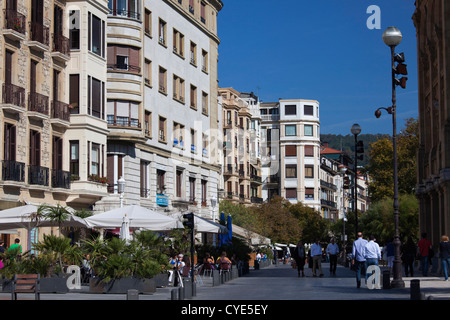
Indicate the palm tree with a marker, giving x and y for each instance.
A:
(57, 214)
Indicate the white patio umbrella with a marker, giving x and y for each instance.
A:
(125, 229)
(21, 217)
(202, 224)
(139, 217)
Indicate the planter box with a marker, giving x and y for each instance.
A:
(161, 280)
(121, 286)
(54, 284)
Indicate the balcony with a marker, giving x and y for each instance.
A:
(124, 67)
(228, 169)
(13, 171)
(60, 114)
(256, 200)
(40, 37)
(38, 175)
(255, 178)
(328, 185)
(328, 203)
(14, 25)
(60, 179)
(61, 48)
(126, 14)
(37, 106)
(13, 98)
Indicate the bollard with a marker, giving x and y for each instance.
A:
(187, 288)
(180, 293)
(132, 294)
(386, 279)
(174, 294)
(415, 289)
(216, 278)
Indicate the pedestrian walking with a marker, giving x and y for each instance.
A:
(358, 260)
(299, 256)
(408, 251)
(444, 254)
(423, 250)
(372, 253)
(390, 254)
(332, 251)
(316, 254)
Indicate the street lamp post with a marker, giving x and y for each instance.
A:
(355, 130)
(392, 37)
(342, 170)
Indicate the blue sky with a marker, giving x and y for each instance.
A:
(323, 50)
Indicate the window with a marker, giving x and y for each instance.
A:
(290, 110)
(309, 151)
(291, 193)
(205, 143)
(309, 171)
(95, 158)
(162, 80)
(193, 96)
(145, 179)
(193, 53)
(291, 151)
(75, 158)
(203, 12)
(191, 189)
(178, 88)
(290, 130)
(204, 103)
(123, 113)
(204, 61)
(308, 110)
(123, 58)
(162, 32)
(204, 183)
(96, 35)
(191, 6)
(148, 22)
(74, 93)
(148, 72)
(35, 148)
(74, 29)
(160, 184)
(291, 171)
(148, 123)
(115, 170)
(179, 183)
(178, 43)
(193, 141)
(178, 133)
(162, 129)
(96, 97)
(309, 193)
(308, 130)
(124, 8)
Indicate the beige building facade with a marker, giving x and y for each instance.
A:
(433, 161)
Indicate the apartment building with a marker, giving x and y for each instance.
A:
(162, 111)
(241, 174)
(37, 108)
(291, 150)
(433, 161)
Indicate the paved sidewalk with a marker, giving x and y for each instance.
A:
(278, 282)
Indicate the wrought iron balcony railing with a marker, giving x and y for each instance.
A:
(13, 94)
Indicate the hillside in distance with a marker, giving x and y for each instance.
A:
(347, 143)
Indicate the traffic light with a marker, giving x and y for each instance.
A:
(188, 220)
(360, 150)
(347, 182)
(400, 68)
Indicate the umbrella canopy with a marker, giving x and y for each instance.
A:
(21, 217)
(139, 217)
(230, 227)
(201, 224)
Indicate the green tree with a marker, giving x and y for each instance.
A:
(380, 166)
(311, 223)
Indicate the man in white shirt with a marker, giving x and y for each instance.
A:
(316, 254)
(372, 253)
(332, 251)
(358, 257)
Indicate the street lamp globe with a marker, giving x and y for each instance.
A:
(392, 37)
(356, 129)
(121, 185)
(343, 169)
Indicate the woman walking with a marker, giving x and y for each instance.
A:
(444, 254)
(299, 256)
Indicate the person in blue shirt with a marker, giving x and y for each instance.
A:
(359, 260)
(372, 253)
